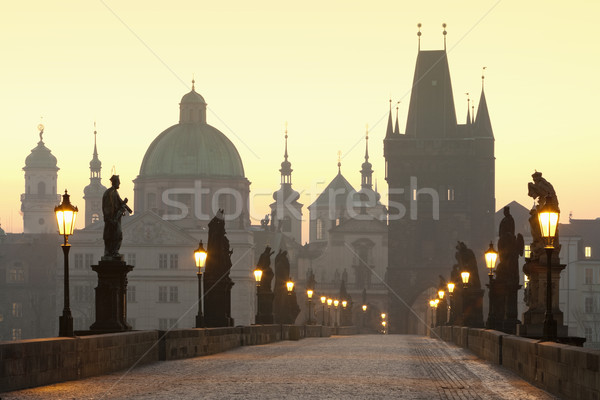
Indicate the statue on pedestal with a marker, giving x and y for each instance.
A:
(113, 208)
(542, 191)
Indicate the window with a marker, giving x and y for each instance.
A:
(319, 229)
(131, 259)
(131, 294)
(163, 324)
(162, 261)
(78, 261)
(173, 261)
(17, 310)
(527, 252)
(450, 194)
(41, 188)
(588, 252)
(162, 294)
(95, 217)
(589, 305)
(589, 276)
(173, 294)
(16, 333)
(16, 273)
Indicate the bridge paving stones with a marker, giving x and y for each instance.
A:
(340, 367)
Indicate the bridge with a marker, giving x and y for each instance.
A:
(336, 367)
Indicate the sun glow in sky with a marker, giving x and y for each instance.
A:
(327, 68)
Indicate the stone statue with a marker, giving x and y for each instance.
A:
(285, 305)
(467, 262)
(310, 280)
(542, 191)
(510, 247)
(113, 208)
(264, 264)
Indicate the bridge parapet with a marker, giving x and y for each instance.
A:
(564, 370)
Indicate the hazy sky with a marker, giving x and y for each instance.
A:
(328, 68)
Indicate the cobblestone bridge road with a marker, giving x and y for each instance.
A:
(340, 367)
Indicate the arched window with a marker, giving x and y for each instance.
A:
(319, 229)
(41, 188)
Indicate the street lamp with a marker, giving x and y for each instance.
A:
(329, 303)
(432, 305)
(257, 277)
(548, 218)
(384, 323)
(309, 294)
(290, 286)
(364, 307)
(323, 300)
(451, 287)
(66, 214)
(336, 303)
(491, 256)
(200, 257)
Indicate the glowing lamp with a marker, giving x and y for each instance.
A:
(66, 214)
(491, 256)
(200, 256)
(548, 219)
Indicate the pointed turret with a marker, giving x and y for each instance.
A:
(397, 126)
(483, 125)
(366, 172)
(92, 193)
(390, 127)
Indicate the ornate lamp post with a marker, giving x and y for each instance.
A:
(329, 303)
(344, 315)
(323, 300)
(465, 279)
(443, 311)
(290, 286)
(364, 315)
(336, 303)
(548, 218)
(257, 277)
(432, 306)
(200, 257)
(309, 294)
(491, 256)
(451, 286)
(66, 214)
(384, 324)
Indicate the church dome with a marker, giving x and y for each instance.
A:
(192, 148)
(40, 157)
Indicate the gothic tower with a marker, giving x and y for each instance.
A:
(40, 197)
(441, 187)
(286, 212)
(92, 193)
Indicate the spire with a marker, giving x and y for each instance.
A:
(468, 108)
(339, 162)
(95, 163)
(95, 148)
(419, 36)
(366, 173)
(193, 84)
(444, 33)
(390, 127)
(397, 126)
(483, 124)
(286, 166)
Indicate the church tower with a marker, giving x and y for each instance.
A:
(441, 187)
(40, 197)
(286, 212)
(92, 193)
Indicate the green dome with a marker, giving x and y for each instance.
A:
(192, 150)
(40, 157)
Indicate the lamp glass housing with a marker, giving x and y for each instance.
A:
(258, 274)
(441, 294)
(364, 307)
(548, 217)
(465, 277)
(290, 286)
(66, 214)
(491, 256)
(336, 303)
(309, 293)
(451, 287)
(329, 302)
(344, 303)
(200, 256)
(323, 299)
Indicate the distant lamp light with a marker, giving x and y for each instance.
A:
(336, 303)
(329, 302)
(441, 294)
(436, 302)
(309, 293)
(290, 286)
(383, 315)
(450, 287)
(323, 299)
(258, 275)
(526, 281)
(465, 277)
(344, 303)
(200, 256)
(364, 307)
(491, 256)
(431, 303)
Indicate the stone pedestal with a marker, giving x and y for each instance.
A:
(217, 301)
(533, 318)
(111, 296)
(473, 308)
(264, 315)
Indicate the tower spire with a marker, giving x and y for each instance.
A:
(444, 33)
(286, 166)
(397, 126)
(366, 173)
(390, 128)
(285, 155)
(419, 36)
(339, 162)
(367, 144)
(483, 76)
(95, 148)
(468, 109)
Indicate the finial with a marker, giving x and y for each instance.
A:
(482, 76)
(444, 33)
(41, 128)
(193, 84)
(95, 134)
(419, 35)
(339, 161)
(367, 144)
(113, 171)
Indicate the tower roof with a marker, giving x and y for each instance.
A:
(95, 163)
(339, 187)
(482, 121)
(431, 110)
(40, 156)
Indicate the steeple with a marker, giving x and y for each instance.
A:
(483, 123)
(339, 162)
(286, 166)
(397, 126)
(390, 127)
(366, 172)
(468, 108)
(92, 193)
